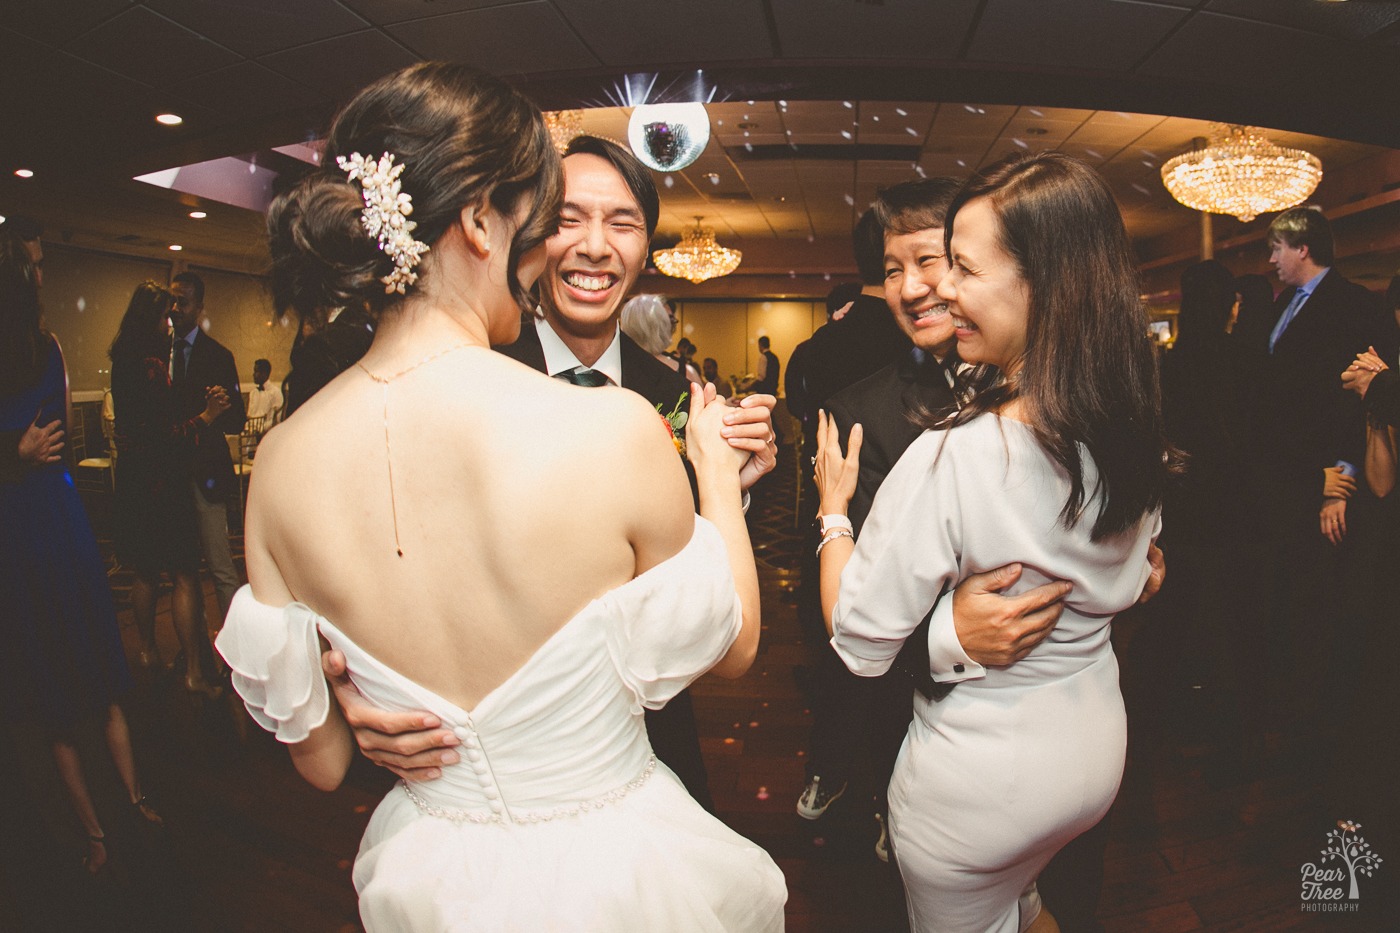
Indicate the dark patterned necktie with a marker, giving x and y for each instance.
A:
(583, 376)
(181, 360)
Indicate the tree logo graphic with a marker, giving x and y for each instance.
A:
(1330, 884)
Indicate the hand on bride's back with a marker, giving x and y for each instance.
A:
(705, 445)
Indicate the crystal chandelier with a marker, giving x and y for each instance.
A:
(1241, 173)
(697, 256)
(563, 126)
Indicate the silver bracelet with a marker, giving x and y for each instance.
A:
(832, 536)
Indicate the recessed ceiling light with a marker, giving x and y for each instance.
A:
(24, 173)
(169, 119)
(175, 247)
(198, 215)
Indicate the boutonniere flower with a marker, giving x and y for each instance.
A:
(675, 422)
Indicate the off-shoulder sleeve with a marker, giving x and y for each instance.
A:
(275, 656)
(672, 623)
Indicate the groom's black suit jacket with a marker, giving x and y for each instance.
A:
(672, 728)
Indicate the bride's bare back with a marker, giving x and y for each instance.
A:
(519, 499)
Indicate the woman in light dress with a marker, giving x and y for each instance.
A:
(1060, 467)
(514, 554)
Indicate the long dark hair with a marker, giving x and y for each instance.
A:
(22, 339)
(1207, 297)
(1088, 375)
(462, 137)
(142, 332)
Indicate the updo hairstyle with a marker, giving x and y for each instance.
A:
(462, 137)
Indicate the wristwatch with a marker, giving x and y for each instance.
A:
(835, 520)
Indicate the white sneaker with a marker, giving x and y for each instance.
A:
(815, 798)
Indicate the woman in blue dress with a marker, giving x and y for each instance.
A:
(63, 662)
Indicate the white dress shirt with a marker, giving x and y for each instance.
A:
(558, 358)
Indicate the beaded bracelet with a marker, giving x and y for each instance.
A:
(832, 536)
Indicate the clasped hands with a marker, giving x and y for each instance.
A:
(1357, 377)
(746, 425)
(216, 402)
(1337, 487)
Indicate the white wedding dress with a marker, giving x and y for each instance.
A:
(558, 816)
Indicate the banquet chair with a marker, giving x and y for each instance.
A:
(241, 449)
(94, 463)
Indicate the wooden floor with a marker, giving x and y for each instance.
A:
(250, 847)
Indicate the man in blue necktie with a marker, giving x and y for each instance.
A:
(1309, 441)
(198, 362)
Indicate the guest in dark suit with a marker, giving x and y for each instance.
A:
(859, 339)
(859, 342)
(610, 212)
(1309, 439)
(1205, 526)
(197, 363)
(768, 369)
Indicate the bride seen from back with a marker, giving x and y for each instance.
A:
(462, 526)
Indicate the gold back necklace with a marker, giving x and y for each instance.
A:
(388, 448)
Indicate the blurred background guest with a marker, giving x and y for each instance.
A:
(710, 372)
(649, 320)
(156, 530)
(1250, 321)
(264, 407)
(1203, 520)
(685, 352)
(63, 662)
(265, 399)
(329, 343)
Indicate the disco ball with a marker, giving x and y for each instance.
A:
(668, 137)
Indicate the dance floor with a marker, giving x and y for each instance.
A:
(250, 847)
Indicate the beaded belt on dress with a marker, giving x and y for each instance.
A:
(456, 815)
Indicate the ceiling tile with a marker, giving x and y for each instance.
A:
(384, 12)
(1081, 33)
(150, 48)
(56, 23)
(256, 27)
(516, 39)
(964, 119)
(643, 34)
(338, 67)
(1247, 54)
(73, 96)
(247, 90)
(1339, 20)
(896, 29)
